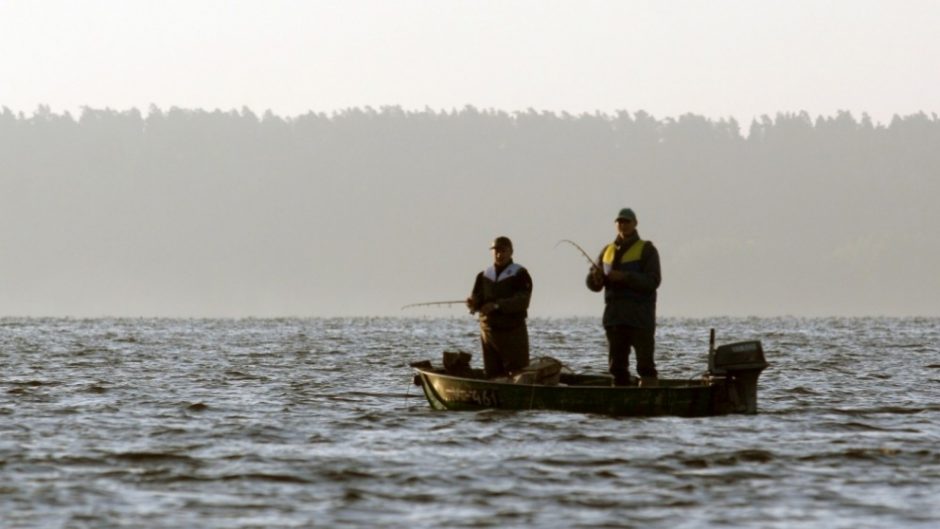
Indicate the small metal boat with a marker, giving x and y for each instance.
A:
(729, 386)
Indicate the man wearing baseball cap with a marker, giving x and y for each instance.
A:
(500, 297)
(627, 270)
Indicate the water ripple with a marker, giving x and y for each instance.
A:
(298, 423)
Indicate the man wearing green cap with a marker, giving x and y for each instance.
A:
(501, 296)
(628, 272)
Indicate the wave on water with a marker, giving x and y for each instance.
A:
(113, 423)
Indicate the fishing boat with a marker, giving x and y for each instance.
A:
(728, 386)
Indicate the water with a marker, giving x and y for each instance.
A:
(314, 423)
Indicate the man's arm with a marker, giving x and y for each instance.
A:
(476, 296)
(595, 277)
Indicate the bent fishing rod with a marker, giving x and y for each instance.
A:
(585, 254)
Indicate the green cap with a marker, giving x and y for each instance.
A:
(501, 242)
(626, 213)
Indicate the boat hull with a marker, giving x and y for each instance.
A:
(683, 398)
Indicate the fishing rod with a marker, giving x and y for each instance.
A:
(428, 303)
(585, 254)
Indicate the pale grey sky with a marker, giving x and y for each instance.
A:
(718, 58)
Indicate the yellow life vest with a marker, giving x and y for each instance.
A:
(632, 255)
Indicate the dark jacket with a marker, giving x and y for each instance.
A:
(632, 301)
(511, 288)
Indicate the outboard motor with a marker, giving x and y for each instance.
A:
(740, 364)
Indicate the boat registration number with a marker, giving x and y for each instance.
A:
(482, 397)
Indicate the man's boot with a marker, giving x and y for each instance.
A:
(649, 382)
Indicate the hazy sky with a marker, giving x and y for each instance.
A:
(718, 58)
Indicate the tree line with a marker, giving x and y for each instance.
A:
(829, 199)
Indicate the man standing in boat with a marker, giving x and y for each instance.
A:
(501, 297)
(628, 272)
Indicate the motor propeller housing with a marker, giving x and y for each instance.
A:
(739, 365)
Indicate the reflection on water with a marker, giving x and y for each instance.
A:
(299, 423)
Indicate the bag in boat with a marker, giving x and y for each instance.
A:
(457, 363)
(544, 371)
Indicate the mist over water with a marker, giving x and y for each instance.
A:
(110, 423)
(190, 212)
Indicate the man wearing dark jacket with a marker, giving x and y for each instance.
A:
(501, 296)
(628, 272)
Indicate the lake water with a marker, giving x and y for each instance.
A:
(110, 423)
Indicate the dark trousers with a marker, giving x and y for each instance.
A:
(619, 341)
(504, 351)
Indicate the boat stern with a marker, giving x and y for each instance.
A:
(735, 368)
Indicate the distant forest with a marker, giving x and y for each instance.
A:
(836, 212)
